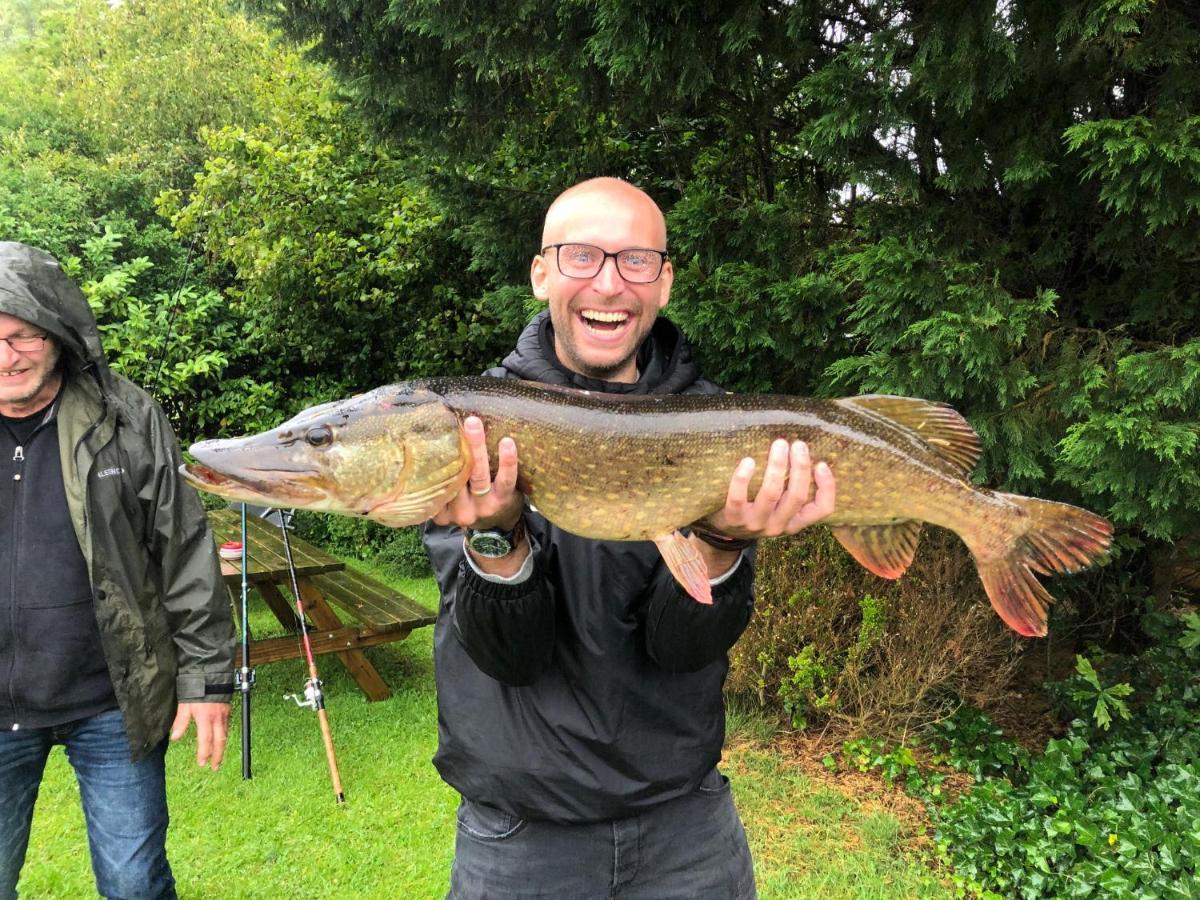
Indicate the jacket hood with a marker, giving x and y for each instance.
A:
(34, 287)
(665, 362)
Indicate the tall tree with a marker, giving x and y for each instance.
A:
(994, 204)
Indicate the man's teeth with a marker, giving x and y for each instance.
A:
(598, 316)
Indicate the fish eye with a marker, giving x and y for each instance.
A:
(319, 436)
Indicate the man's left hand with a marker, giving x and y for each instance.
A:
(212, 730)
(782, 504)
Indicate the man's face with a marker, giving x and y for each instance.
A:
(600, 322)
(29, 379)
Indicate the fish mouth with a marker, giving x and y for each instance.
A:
(272, 487)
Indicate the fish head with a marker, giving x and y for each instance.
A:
(395, 454)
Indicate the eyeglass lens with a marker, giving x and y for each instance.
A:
(636, 264)
(24, 343)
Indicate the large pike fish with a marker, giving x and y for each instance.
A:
(632, 468)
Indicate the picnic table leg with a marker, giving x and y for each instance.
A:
(324, 618)
(279, 604)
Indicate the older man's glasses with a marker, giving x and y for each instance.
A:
(636, 265)
(26, 343)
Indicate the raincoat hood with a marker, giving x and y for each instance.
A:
(34, 287)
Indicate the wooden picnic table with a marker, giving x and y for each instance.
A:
(376, 613)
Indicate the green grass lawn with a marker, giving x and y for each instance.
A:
(281, 833)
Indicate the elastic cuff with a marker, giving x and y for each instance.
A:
(197, 687)
(522, 574)
(728, 573)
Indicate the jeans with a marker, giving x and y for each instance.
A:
(124, 804)
(691, 848)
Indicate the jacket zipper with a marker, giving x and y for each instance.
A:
(18, 495)
(18, 515)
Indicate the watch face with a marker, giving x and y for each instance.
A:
(490, 544)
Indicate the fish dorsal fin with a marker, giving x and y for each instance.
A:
(938, 424)
(886, 550)
(686, 564)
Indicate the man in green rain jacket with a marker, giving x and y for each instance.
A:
(115, 630)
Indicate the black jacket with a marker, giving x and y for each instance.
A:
(52, 668)
(593, 689)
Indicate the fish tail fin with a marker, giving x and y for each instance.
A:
(1057, 538)
(686, 564)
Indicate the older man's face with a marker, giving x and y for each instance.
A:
(29, 379)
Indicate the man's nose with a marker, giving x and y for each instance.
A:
(608, 279)
(8, 355)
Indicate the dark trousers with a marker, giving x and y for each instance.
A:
(124, 804)
(691, 848)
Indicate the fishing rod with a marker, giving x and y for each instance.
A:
(245, 675)
(313, 697)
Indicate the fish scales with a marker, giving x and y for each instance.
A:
(620, 467)
(671, 457)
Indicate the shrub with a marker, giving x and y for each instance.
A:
(830, 641)
(344, 535)
(404, 554)
(397, 550)
(1111, 809)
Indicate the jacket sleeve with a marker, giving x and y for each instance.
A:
(508, 630)
(193, 593)
(685, 636)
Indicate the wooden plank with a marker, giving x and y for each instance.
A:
(372, 601)
(266, 559)
(348, 637)
(354, 660)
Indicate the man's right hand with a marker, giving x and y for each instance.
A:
(483, 502)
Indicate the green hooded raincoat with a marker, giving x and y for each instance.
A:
(164, 616)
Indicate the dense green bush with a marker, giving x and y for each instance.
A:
(356, 537)
(404, 554)
(829, 641)
(398, 551)
(1107, 810)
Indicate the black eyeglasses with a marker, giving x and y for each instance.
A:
(26, 343)
(637, 265)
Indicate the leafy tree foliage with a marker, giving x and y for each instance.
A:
(96, 119)
(344, 266)
(146, 77)
(990, 204)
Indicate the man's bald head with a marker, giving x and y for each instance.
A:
(592, 198)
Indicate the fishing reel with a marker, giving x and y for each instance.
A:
(313, 698)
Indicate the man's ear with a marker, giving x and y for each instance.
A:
(666, 279)
(539, 273)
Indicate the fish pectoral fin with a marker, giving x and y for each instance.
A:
(413, 509)
(886, 550)
(939, 425)
(686, 564)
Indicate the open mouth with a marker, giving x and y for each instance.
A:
(247, 488)
(604, 322)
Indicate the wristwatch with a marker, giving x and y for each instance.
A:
(495, 543)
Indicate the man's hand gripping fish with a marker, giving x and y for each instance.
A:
(633, 468)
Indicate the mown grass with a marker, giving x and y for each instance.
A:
(281, 833)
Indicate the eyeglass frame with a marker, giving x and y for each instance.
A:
(43, 337)
(606, 254)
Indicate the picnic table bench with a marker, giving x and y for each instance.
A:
(375, 613)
